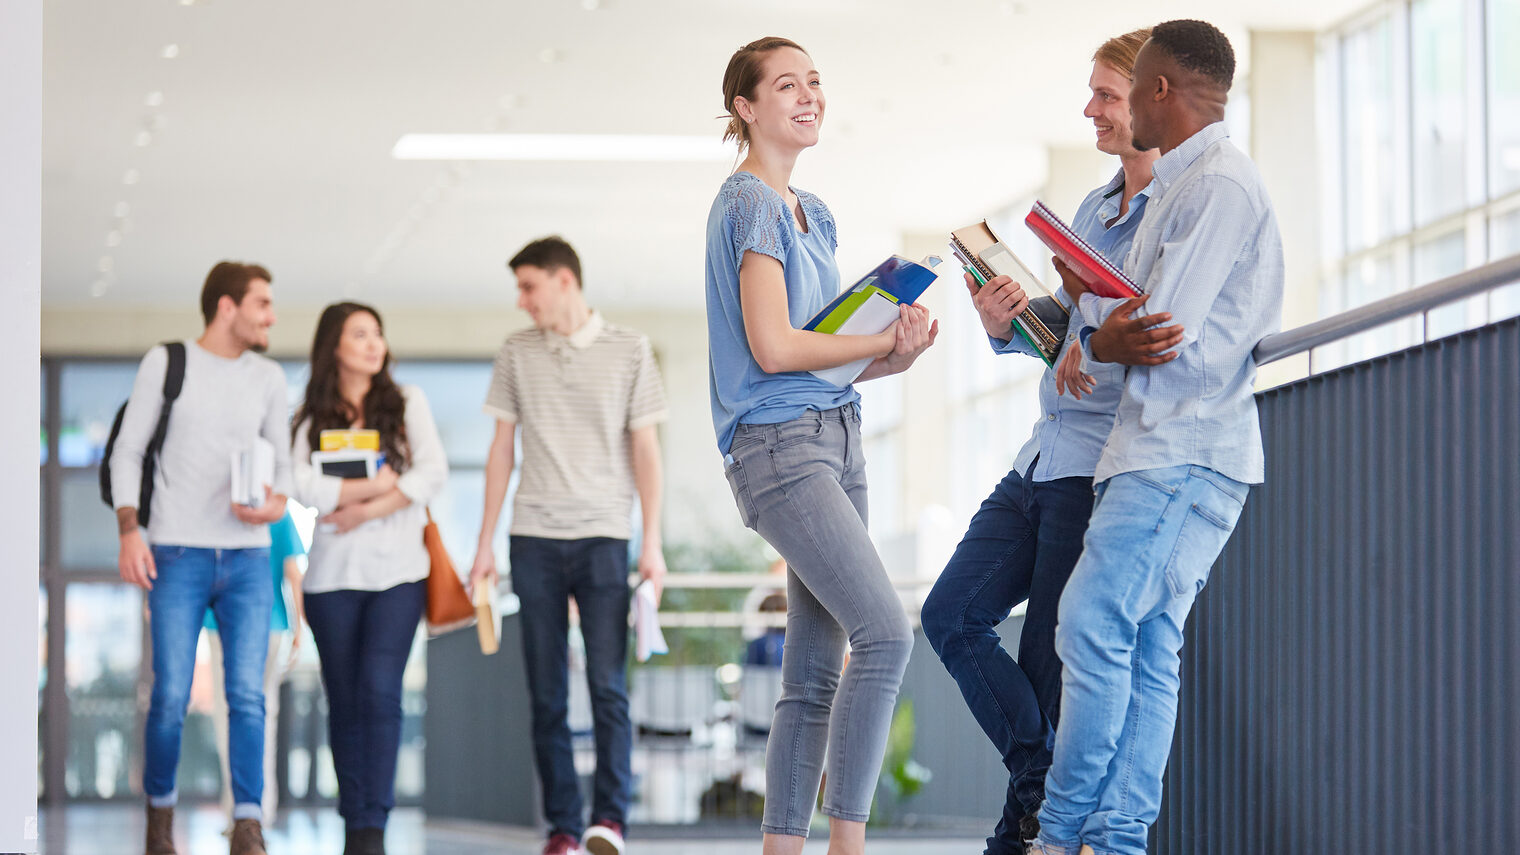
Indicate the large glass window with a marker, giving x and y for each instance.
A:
(1503, 26)
(1439, 258)
(1504, 240)
(1368, 153)
(102, 654)
(1439, 77)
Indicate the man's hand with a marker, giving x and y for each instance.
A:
(652, 567)
(135, 561)
(1129, 340)
(1071, 283)
(269, 512)
(349, 517)
(483, 571)
(997, 304)
(1069, 376)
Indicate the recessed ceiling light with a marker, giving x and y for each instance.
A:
(113, 238)
(606, 148)
(591, 5)
(154, 99)
(510, 101)
(550, 55)
(143, 138)
(122, 210)
(99, 288)
(170, 51)
(130, 177)
(105, 264)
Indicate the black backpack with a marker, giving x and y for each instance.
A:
(174, 379)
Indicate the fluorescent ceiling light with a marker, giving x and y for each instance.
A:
(607, 148)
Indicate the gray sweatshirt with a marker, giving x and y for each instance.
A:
(223, 407)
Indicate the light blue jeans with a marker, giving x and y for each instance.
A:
(801, 485)
(234, 584)
(1153, 538)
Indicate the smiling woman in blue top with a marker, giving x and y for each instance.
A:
(792, 455)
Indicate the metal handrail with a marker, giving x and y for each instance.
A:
(1495, 274)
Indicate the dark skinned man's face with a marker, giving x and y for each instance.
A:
(1144, 81)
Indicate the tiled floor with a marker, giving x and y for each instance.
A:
(118, 830)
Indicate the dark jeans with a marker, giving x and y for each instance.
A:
(363, 640)
(546, 573)
(1021, 545)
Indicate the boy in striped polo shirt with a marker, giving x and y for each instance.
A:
(588, 397)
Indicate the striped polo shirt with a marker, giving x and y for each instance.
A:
(576, 399)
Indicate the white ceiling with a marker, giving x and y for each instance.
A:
(272, 140)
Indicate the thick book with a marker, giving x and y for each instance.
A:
(870, 306)
(1044, 322)
(1101, 276)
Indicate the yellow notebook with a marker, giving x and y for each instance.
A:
(342, 440)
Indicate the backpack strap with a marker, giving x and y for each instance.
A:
(174, 376)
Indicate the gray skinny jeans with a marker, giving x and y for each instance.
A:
(801, 485)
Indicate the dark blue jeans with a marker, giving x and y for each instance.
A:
(234, 583)
(546, 573)
(363, 640)
(1021, 545)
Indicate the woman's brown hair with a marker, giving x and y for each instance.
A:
(742, 78)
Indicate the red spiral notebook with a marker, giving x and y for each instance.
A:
(1101, 275)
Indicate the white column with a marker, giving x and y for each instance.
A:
(21, 285)
(1285, 146)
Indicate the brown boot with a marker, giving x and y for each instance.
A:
(247, 838)
(160, 831)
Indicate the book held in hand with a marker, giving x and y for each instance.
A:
(1044, 321)
(1101, 276)
(252, 473)
(870, 306)
(347, 462)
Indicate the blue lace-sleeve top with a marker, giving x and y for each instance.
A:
(749, 216)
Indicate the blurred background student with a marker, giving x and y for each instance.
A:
(285, 553)
(366, 577)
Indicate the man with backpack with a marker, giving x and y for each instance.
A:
(196, 408)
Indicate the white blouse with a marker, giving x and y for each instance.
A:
(384, 552)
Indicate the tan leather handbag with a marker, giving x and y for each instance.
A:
(448, 606)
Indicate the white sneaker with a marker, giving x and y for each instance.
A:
(603, 838)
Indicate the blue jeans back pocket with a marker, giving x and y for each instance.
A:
(1211, 517)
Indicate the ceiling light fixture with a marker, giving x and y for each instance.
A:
(122, 210)
(154, 99)
(130, 177)
(169, 52)
(602, 148)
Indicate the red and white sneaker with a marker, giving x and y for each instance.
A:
(604, 838)
(563, 844)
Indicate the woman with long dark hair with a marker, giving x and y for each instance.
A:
(366, 575)
(792, 453)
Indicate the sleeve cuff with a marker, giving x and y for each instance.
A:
(500, 414)
(649, 419)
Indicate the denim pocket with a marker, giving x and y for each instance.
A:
(1210, 519)
(167, 554)
(1171, 491)
(798, 431)
(734, 472)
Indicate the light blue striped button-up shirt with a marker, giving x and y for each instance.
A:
(1068, 435)
(1209, 252)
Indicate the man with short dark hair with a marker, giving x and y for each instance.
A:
(588, 397)
(1186, 445)
(207, 551)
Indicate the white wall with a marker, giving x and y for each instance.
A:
(20, 284)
